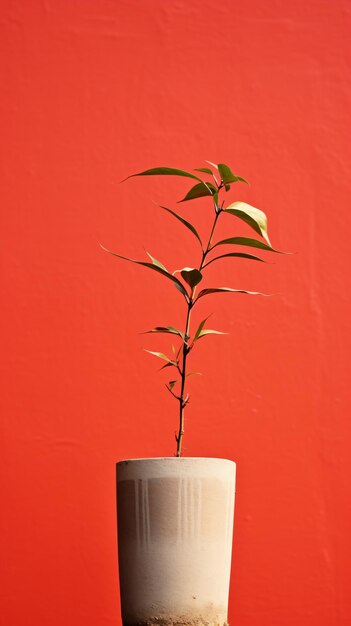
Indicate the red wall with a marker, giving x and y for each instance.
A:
(93, 90)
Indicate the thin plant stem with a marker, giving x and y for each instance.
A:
(182, 400)
(186, 349)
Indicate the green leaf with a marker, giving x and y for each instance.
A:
(164, 171)
(191, 275)
(156, 262)
(201, 325)
(206, 292)
(246, 241)
(210, 332)
(213, 164)
(165, 329)
(200, 190)
(252, 216)
(187, 224)
(174, 382)
(170, 364)
(205, 170)
(201, 331)
(160, 355)
(180, 288)
(241, 255)
(154, 267)
(227, 175)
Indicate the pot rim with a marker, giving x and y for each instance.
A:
(178, 459)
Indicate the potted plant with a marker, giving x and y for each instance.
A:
(175, 514)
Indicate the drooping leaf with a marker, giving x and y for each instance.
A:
(252, 216)
(200, 190)
(164, 171)
(246, 241)
(185, 222)
(205, 170)
(227, 175)
(165, 329)
(241, 255)
(160, 355)
(191, 275)
(156, 262)
(180, 288)
(206, 292)
(154, 267)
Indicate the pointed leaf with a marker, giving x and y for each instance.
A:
(241, 255)
(160, 355)
(206, 292)
(216, 168)
(205, 170)
(187, 224)
(246, 241)
(201, 331)
(252, 216)
(170, 364)
(156, 262)
(165, 171)
(191, 275)
(200, 190)
(154, 267)
(180, 288)
(165, 329)
(201, 325)
(174, 382)
(227, 175)
(210, 332)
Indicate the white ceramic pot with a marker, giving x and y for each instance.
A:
(175, 528)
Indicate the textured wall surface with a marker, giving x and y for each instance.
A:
(93, 90)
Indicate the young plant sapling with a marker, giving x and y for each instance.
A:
(221, 178)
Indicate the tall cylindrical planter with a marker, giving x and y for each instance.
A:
(175, 527)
